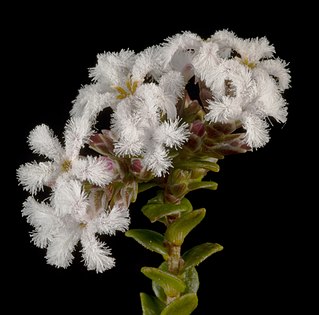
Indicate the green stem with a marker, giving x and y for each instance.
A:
(174, 261)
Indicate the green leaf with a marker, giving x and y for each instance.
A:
(171, 284)
(158, 290)
(190, 278)
(199, 253)
(151, 305)
(150, 239)
(145, 186)
(205, 185)
(155, 211)
(184, 305)
(178, 230)
(191, 164)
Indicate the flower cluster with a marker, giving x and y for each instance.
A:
(207, 97)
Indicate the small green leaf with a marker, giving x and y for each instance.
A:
(171, 284)
(155, 211)
(151, 305)
(157, 289)
(199, 253)
(145, 186)
(184, 305)
(178, 230)
(150, 239)
(159, 198)
(191, 164)
(190, 277)
(205, 185)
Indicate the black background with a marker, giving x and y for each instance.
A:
(257, 213)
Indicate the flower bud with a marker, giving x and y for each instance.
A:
(179, 176)
(102, 142)
(197, 128)
(140, 171)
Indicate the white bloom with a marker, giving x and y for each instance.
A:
(140, 132)
(245, 84)
(242, 82)
(65, 162)
(255, 54)
(60, 233)
(233, 88)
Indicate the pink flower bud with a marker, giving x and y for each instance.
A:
(136, 165)
(198, 128)
(110, 165)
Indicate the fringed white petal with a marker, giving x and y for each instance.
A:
(156, 159)
(150, 101)
(59, 251)
(278, 69)
(182, 62)
(226, 42)
(254, 49)
(172, 134)
(205, 60)
(76, 134)
(93, 169)
(270, 101)
(225, 110)
(42, 141)
(112, 220)
(173, 85)
(89, 103)
(33, 176)
(256, 131)
(186, 41)
(41, 216)
(68, 197)
(146, 64)
(113, 68)
(96, 255)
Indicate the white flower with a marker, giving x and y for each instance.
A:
(245, 84)
(236, 81)
(65, 162)
(255, 54)
(61, 233)
(240, 94)
(140, 132)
